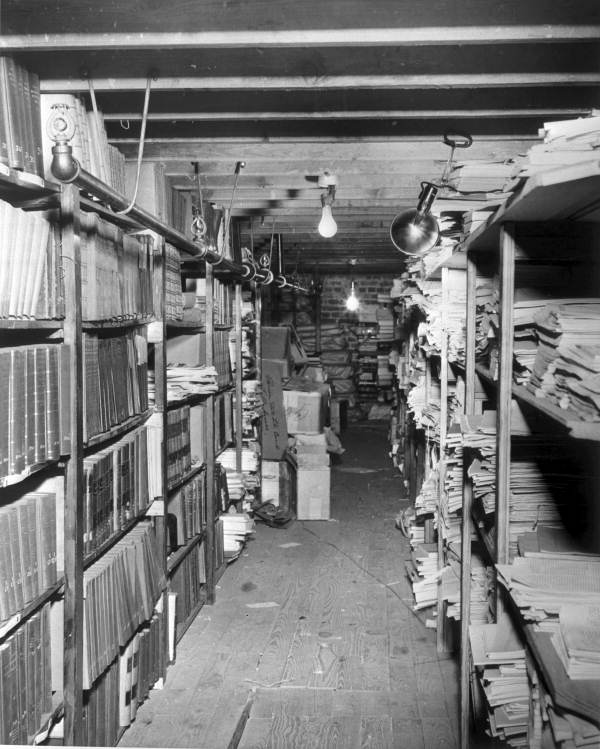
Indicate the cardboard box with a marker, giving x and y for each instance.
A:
(310, 450)
(306, 405)
(274, 431)
(313, 493)
(275, 344)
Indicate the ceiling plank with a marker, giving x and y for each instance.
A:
(306, 38)
(392, 114)
(231, 83)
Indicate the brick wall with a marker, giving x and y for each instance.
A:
(336, 289)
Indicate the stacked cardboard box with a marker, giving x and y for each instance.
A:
(313, 476)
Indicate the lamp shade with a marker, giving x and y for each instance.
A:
(416, 231)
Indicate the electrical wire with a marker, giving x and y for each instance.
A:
(140, 155)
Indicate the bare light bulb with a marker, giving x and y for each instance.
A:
(327, 226)
(352, 303)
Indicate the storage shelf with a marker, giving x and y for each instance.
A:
(118, 430)
(175, 326)
(577, 428)
(22, 324)
(175, 559)
(194, 398)
(17, 619)
(17, 186)
(16, 478)
(90, 326)
(194, 471)
(568, 193)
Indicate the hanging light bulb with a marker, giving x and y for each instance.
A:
(327, 225)
(353, 302)
(416, 231)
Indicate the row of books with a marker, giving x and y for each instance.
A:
(116, 487)
(89, 142)
(29, 560)
(173, 301)
(112, 704)
(115, 380)
(31, 282)
(116, 272)
(187, 581)
(34, 406)
(26, 679)
(179, 456)
(186, 512)
(120, 592)
(20, 118)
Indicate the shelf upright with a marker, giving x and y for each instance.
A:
(239, 374)
(210, 444)
(442, 632)
(160, 406)
(467, 523)
(74, 508)
(503, 410)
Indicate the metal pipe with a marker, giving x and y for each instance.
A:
(67, 169)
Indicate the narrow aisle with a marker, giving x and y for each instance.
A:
(314, 634)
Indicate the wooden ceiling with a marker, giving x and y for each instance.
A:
(364, 90)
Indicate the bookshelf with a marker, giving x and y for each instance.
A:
(552, 221)
(98, 524)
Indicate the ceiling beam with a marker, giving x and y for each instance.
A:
(305, 38)
(389, 114)
(297, 82)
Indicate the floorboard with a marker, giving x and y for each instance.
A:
(315, 621)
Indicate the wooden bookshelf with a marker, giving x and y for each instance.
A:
(176, 557)
(566, 197)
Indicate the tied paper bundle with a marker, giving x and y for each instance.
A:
(567, 363)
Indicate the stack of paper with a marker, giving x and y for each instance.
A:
(486, 322)
(422, 570)
(426, 501)
(577, 640)
(541, 586)
(567, 364)
(499, 660)
(566, 142)
(237, 526)
(183, 381)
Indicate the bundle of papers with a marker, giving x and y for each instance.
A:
(423, 573)
(567, 364)
(426, 501)
(576, 638)
(183, 381)
(499, 660)
(566, 142)
(541, 586)
(237, 526)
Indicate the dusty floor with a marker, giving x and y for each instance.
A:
(313, 633)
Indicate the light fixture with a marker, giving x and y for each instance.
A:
(327, 225)
(353, 302)
(416, 231)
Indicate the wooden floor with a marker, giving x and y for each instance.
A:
(313, 635)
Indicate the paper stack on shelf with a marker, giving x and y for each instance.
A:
(486, 321)
(183, 381)
(484, 177)
(499, 660)
(426, 501)
(422, 570)
(540, 587)
(567, 363)
(237, 526)
(576, 638)
(566, 142)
